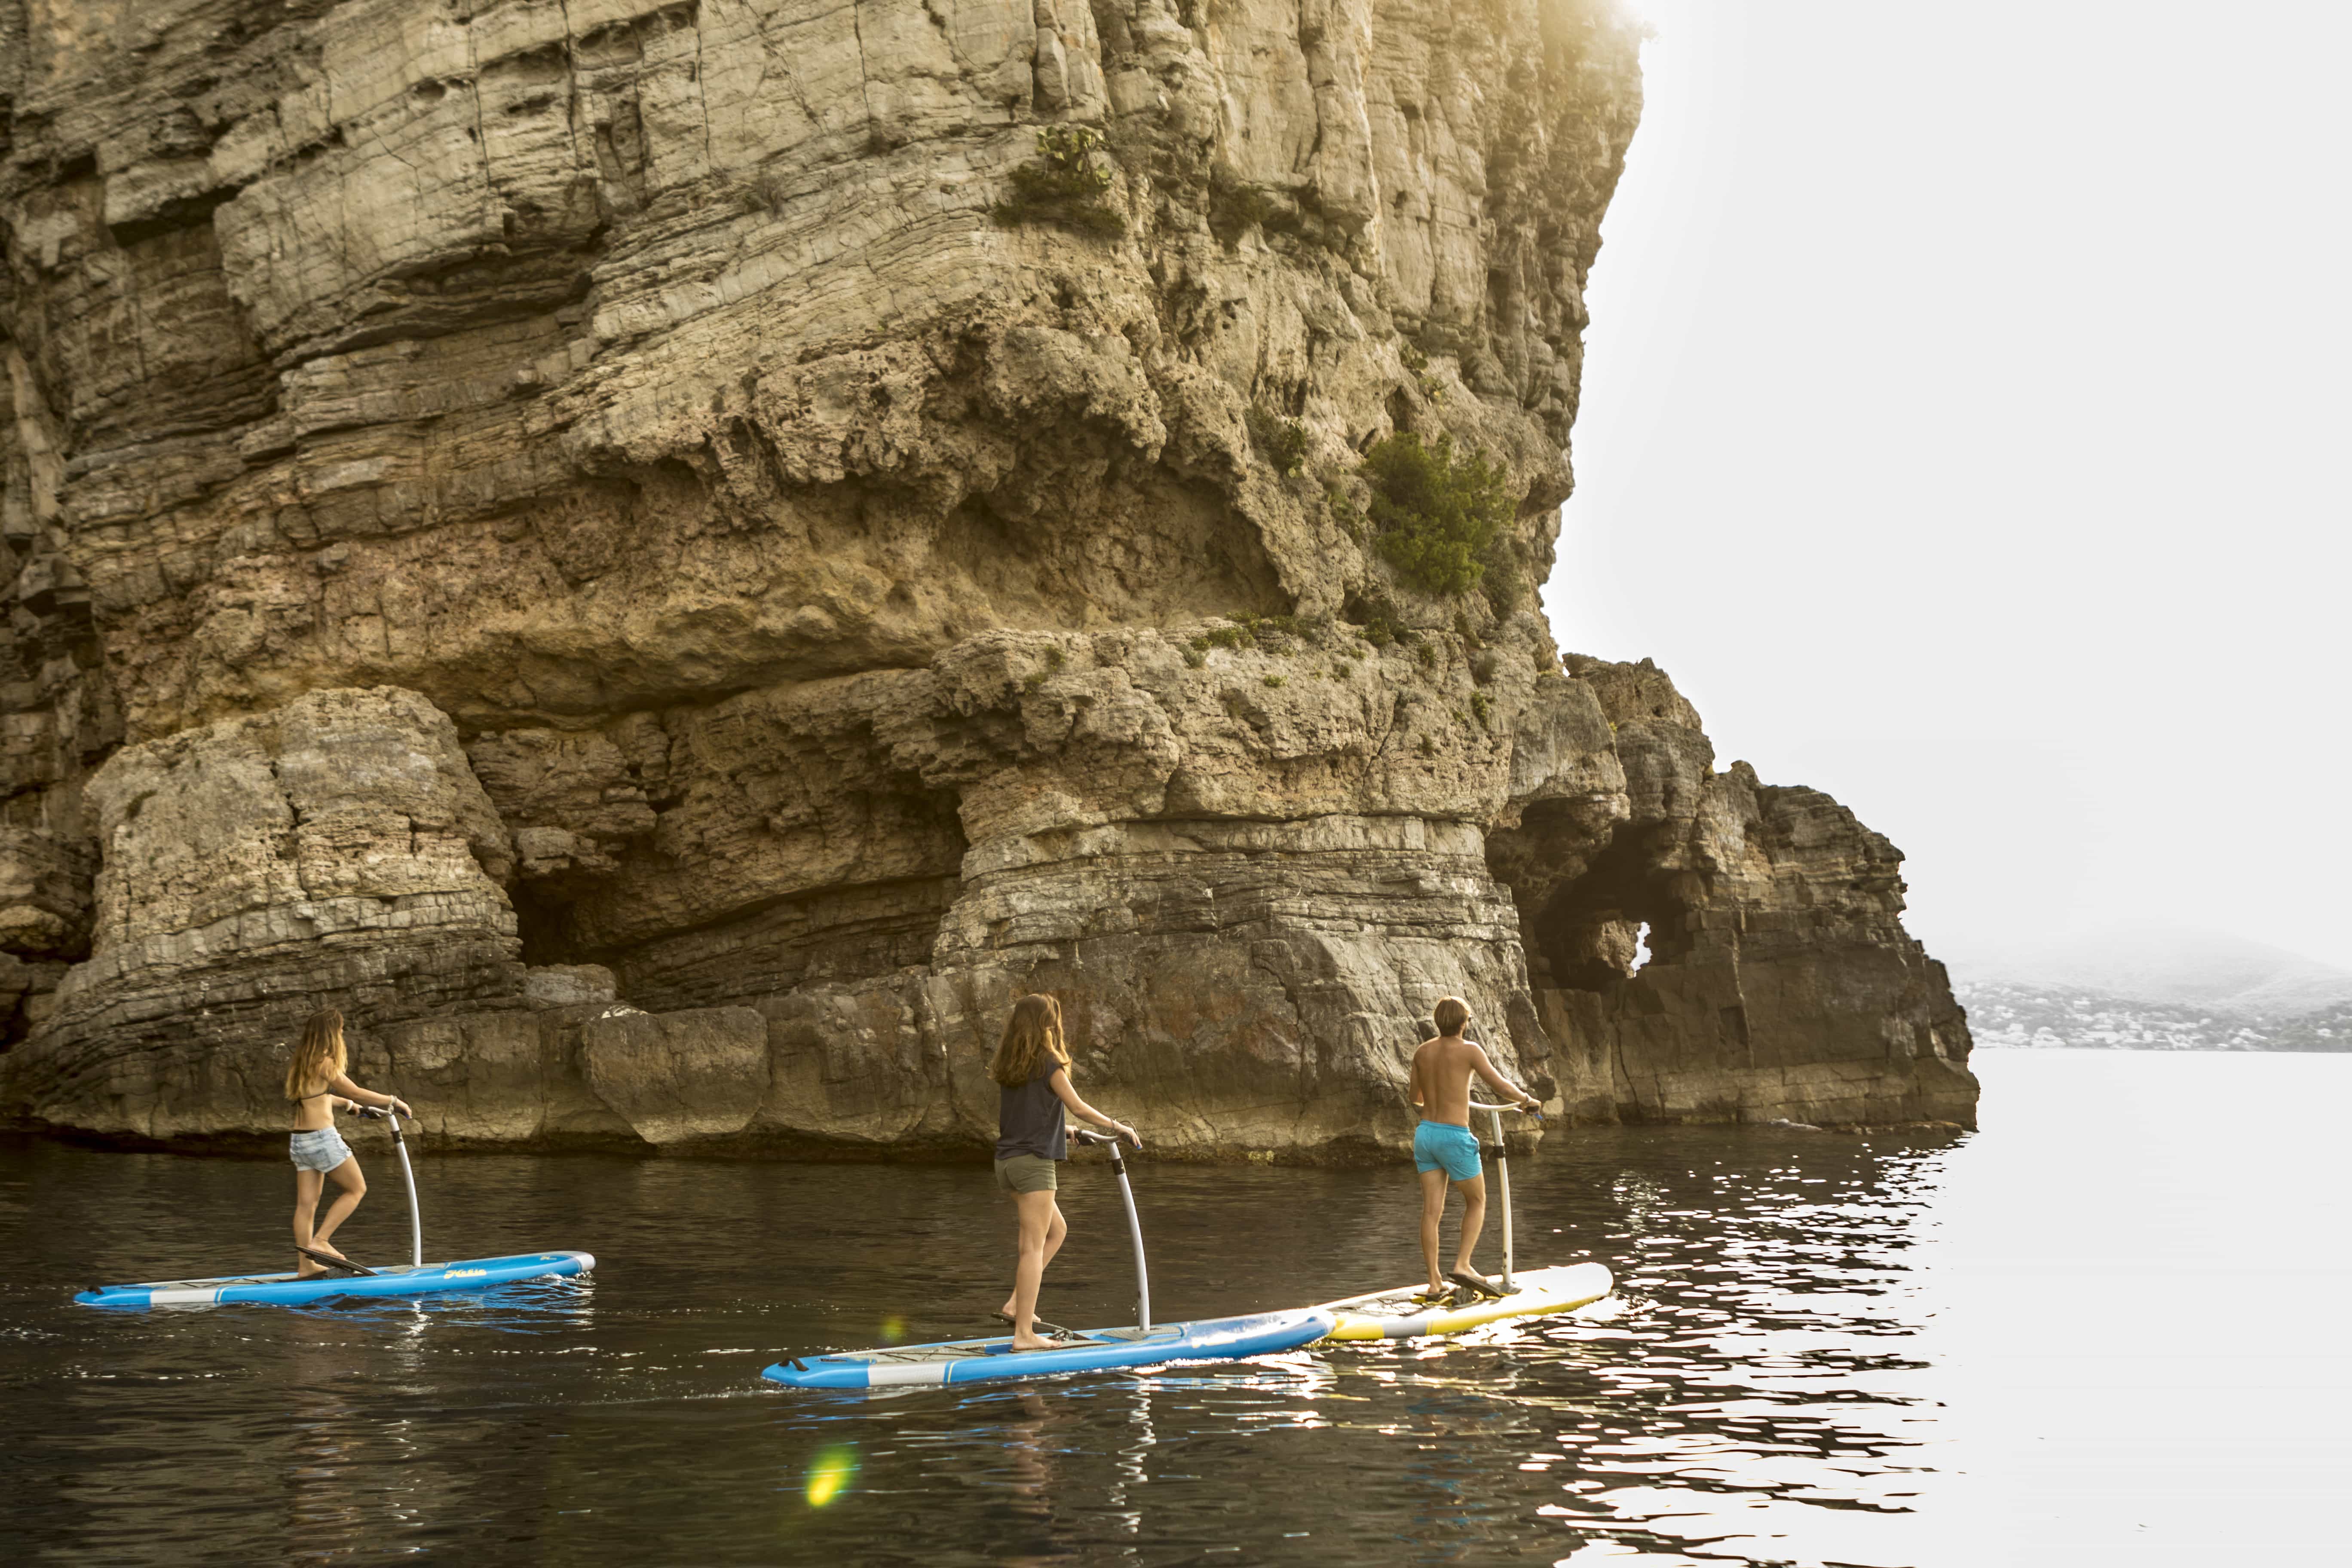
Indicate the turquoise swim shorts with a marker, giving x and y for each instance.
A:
(1442, 1146)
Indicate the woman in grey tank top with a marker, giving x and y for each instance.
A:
(1032, 1069)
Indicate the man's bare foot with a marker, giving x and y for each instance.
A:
(1465, 1275)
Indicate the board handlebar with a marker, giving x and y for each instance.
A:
(1482, 1105)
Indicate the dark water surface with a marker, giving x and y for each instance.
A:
(2107, 1330)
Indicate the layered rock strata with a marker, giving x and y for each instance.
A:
(606, 541)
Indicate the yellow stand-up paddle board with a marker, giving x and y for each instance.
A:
(1407, 1314)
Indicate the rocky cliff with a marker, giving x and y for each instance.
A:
(672, 558)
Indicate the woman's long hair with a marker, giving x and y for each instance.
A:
(320, 1057)
(1032, 1035)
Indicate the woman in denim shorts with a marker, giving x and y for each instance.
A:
(317, 1086)
(1032, 1069)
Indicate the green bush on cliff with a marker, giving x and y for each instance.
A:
(1064, 186)
(1437, 515)
(1281, 442)
(1268, 634)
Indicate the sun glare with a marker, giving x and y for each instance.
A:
(830, 1474)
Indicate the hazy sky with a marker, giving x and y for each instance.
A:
(1964, 428)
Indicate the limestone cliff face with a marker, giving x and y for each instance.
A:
(603, 538)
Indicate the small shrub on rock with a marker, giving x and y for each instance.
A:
(1281, 442)
(1437, 515)
(1064, 186)
(1268, 634)
(1344, 510)
(1223, 637)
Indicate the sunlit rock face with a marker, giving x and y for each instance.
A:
(604, 541)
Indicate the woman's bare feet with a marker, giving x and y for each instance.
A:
(1031, 1342)
(306, 1267)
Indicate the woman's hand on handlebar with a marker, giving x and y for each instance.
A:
(1124, 1131)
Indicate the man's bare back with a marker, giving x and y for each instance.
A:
(1442, 1070)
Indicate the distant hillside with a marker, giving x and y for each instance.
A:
(2153, 967)
(2326, 1029)
(2041, 1016)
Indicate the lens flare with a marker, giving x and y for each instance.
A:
(894, 1328)
(830, 1474)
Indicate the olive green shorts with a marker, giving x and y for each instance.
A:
(1027, 1174)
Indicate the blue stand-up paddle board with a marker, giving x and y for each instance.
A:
(1095, 1350)
(419, 1278)
(432, 1278)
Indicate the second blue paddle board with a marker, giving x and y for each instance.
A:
(974, 1360)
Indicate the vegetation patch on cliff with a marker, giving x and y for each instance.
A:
(1065, 185)
(1281, 442)
(1438, 516)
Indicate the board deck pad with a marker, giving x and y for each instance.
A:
(1088, 1349)
(1404, 1314)
(287, 1289)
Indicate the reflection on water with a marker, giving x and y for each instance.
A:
(1896, 1351)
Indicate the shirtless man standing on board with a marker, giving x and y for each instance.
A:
(1444, 1149)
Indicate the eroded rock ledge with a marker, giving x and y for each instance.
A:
(593, 537)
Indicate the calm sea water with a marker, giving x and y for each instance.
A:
(2109, 1329)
